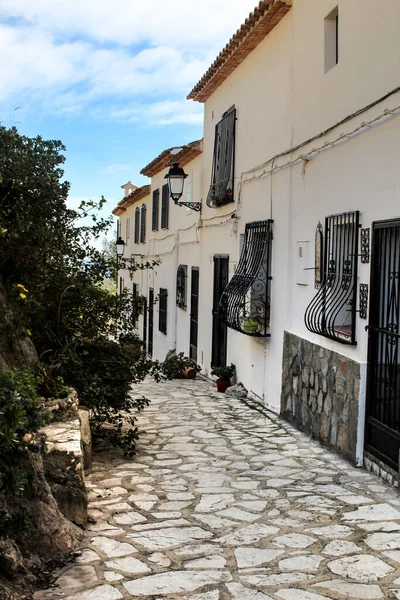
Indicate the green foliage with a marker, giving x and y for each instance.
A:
(172, 367)
(20, 380)
(224, 373)
(52, 279)
(20, 416)
(102, 372)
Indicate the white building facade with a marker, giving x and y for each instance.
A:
(298, 243)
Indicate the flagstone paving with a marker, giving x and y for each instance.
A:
(226, 502)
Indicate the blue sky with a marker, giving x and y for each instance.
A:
(109, 79)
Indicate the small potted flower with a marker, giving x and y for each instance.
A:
(224, 375)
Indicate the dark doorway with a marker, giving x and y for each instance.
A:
(383, 386)
(219, 330)
(144, 324)
(151, 320)
(194, 313)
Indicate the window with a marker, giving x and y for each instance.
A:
(143, 224)
(137, 225)
(156, 204)
(245, 302)
(165, 207)
(332, 39)
(127, 232)
(181, 279)
(222, 178)
(332, 311)
(162, 317)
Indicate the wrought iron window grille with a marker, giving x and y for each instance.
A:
(363, 300)
(181, 279)
(332, 311)
(223, 169)
(245, 302)
(365, 244)
(319, 246)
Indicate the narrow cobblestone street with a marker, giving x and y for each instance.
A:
(225, 502)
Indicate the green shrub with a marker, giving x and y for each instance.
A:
(20, 416)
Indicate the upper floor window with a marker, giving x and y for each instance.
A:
(181, 278)
(137, 225)
(331, 39)
(155, 211)
(162, 316)
(165, 207)
(332, 311)
(222, 178)
(128, 229)
(143, 224)
(245, 302)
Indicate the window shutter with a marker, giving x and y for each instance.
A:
(156, 204)
(223, 172)
(143, 224)
(137, 225)
(162, 316)
(165, 207)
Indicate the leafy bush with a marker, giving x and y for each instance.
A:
(172, 367)
(102, 371)
(20, 417)
(226, 372)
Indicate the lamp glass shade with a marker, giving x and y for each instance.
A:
(176, 179)
(120, 246)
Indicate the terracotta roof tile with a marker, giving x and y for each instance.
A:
(255, 28)
(167, 157)
(138, 194)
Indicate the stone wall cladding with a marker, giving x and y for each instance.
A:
(320, 391)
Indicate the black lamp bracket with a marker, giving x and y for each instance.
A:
(196, 206)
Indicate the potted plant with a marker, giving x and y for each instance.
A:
(224, 375)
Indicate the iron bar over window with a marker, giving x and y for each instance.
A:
(181, 278)
(137, 225)
(155, 210)
(245, 302)
(162, 317)
(222, 178)
(143, 224)
(332, 311)
(165, 207)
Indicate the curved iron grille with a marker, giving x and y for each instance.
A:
(245, 302)
(332, 311)
(181, 278)
(222, 178)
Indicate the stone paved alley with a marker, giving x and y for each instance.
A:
(223, 502)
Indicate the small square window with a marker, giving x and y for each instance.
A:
(331, 39)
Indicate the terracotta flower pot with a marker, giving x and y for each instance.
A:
(188, 372)
(223, 384)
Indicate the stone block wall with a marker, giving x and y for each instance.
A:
(320, 393)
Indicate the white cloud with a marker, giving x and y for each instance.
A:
(116, 168)
(126, 59)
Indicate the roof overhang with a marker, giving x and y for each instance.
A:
(138, 194)
(180, 154)
(257, 26)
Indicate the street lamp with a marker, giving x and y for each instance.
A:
(120, 245)
(176, 179)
